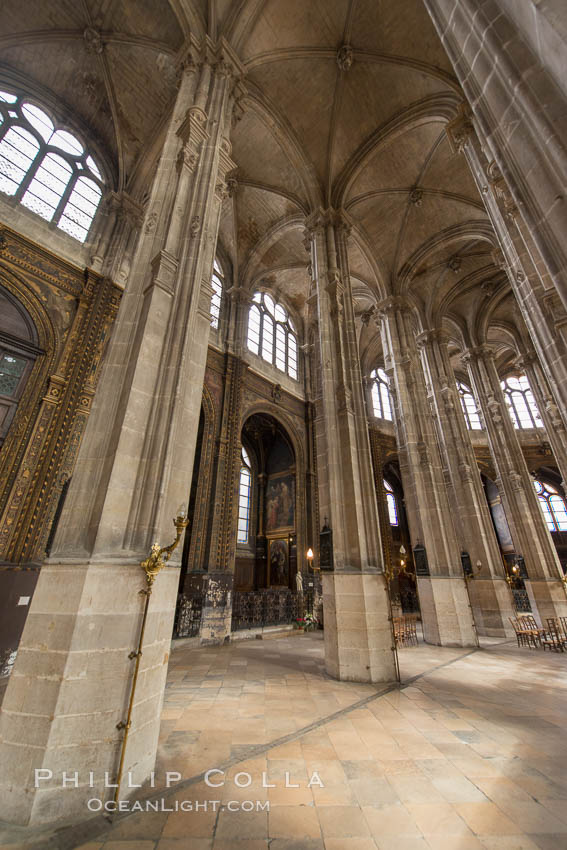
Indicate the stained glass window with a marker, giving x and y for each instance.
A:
(469, 407)
(47, 169)
(553, 506)
(216, 299)
(381, 402)
(244, 497)
(391, 501)
(271, 334)
(521, 403)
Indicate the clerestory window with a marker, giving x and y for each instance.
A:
(391, 501)
(217, 282)
(521, 403)
(553, 506)
(381, 402)
(272, 334)
(470, 410)
(46, 168)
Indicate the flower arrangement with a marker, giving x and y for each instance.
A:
(307, 623)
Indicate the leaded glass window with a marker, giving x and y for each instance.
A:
(553, 506)
(244, 497)
(391, 502)
(521, 403)
(272, 334)
(216, 299)
(47, 169)
(470, 410)
(381, 403)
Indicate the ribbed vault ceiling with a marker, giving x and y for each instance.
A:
(369, 138)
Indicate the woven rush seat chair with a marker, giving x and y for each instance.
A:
(554, 639)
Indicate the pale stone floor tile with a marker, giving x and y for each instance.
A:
(471, 755)
(293, 822)
(438, 819)
(394, 819)
(342, 822)
(487, 819)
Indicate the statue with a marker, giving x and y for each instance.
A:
(299, 582)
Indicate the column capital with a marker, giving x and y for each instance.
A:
(525, 360)
(476, 353)
(461, 128)
(432, 335)
(391, 305)
(321, 218)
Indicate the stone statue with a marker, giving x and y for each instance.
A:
(299, 582)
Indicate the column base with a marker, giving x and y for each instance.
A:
(358, 632)
(446, 611)
(216, 616)
(71, 686)
(548, 598)
(492, 607)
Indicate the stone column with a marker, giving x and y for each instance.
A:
(71, 682)
(543, 312)
(488, 590)
(520, 112)
(358, 636)
(529, 532)
(548, 410)
(445, 606)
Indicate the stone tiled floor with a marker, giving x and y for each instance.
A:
(469, 755)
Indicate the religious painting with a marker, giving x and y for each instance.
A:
(279, 562)
(280, 502)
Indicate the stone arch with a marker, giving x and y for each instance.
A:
(297, 443)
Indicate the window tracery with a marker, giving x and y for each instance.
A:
(217, 281)
(391, 501)
(272, 334)
(521, 403)
(552, 505)
(48, 170)
(244, 497)
(381, 401)
(469, 406)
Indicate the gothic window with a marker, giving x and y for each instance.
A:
(381, 403)
(271, 334)
(468, 404)
(46, 169)
(216, 299)
(553, 506)
(391, 501)
(244, 497)
(521, 403)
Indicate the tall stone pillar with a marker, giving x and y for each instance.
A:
(548, 410)
(529, 532)
(358, 635)
(488, 591)
(443, 595)
(519, 110)
(543, 312)
(71, 682)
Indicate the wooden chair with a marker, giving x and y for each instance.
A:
(525, 635)
(563, 623)
(527, 623)
(554, 639)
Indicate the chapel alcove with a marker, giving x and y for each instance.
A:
(266, 554)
